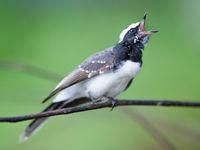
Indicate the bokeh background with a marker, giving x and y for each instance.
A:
(58, 35)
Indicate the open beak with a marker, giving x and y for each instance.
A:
(141, 30)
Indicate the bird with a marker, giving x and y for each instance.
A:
(104, 74)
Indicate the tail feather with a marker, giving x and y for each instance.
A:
(31, 130)
(36, 124)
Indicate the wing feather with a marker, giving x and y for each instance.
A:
(96, 64)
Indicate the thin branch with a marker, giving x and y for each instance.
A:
(42, 73)
(98, 106)
(31, 70)
(159, 138)
(188, 134)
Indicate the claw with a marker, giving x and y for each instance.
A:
(114, 103)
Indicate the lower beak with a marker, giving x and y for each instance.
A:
(150, 32)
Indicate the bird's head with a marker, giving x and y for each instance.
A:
(135, 33)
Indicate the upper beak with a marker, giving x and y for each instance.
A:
(141, 30)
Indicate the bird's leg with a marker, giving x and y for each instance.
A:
(95, 100)
(114, 102)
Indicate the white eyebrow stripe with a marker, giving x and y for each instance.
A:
(123, 33)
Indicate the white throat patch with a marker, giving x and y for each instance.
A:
(123, 33)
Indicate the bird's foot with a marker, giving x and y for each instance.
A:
(113, 101)
(97, 100)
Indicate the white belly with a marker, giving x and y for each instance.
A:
(111, 84)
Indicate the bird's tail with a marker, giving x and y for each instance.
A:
(36, 124)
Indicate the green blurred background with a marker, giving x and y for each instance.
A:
(58, 35)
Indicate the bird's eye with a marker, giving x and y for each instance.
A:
(131, 31)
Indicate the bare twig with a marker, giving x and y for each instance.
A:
(188, 134)
(31, 70)
(42, 73)
(159, 138)
(100, 105)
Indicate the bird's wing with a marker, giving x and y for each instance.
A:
(129, 83)
(96, 64)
